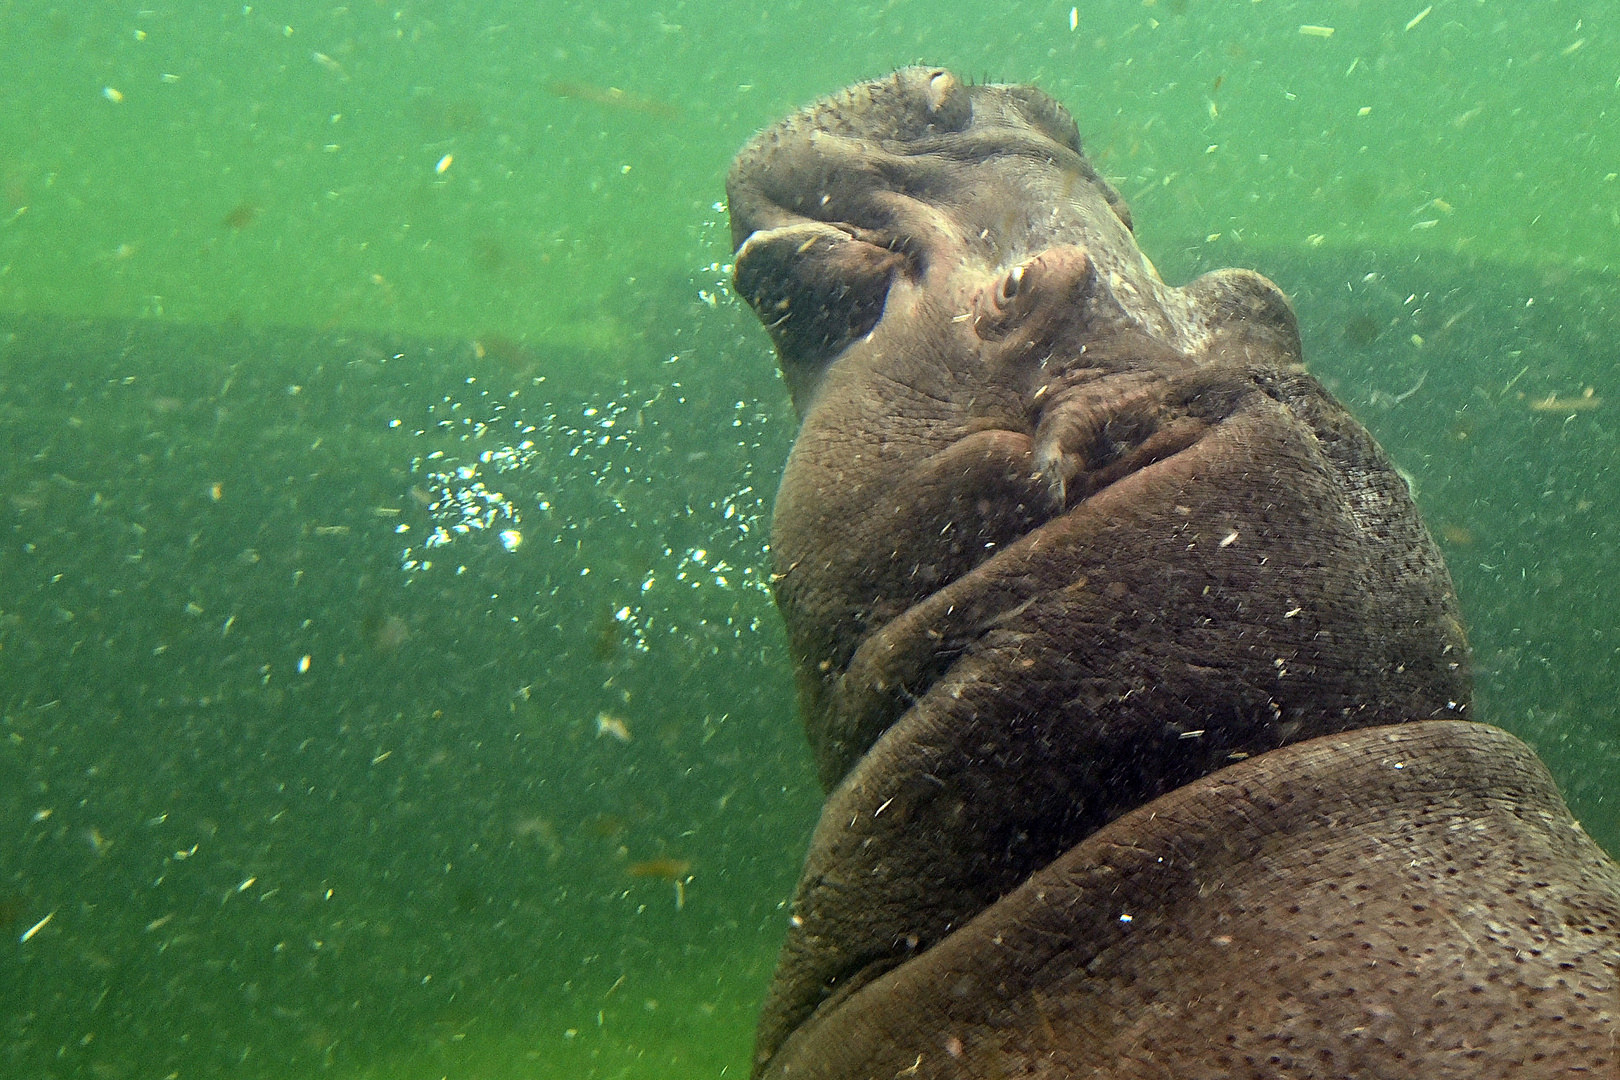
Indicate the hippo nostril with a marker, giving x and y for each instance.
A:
(1011, 284)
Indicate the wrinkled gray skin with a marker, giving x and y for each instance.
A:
(1103, 613)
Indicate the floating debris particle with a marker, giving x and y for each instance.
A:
(666, 868)
(386, 633)
(241, 216)
(444, 164)
(607, 826)
(331, 65)
(112, 95)
(613, 97)
(36, 928)
(1316, 31)
(1552, 403)
(608, 724)
(544, 833)
(1420, 16)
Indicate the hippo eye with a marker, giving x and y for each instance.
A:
(1010, 284)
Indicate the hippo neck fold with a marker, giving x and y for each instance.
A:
(1372, 832)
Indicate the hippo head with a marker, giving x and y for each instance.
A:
(897, 202)
(1054, 538)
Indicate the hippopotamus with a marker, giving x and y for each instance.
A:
(1139, 690)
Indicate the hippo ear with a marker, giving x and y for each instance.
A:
(1245, 310)
(816, 288)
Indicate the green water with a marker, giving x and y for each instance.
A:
(291, 293)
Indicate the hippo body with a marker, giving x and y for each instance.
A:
(1138, 687)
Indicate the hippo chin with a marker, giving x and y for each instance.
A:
(1139, 689)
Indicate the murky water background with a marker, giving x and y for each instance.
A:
(389, 684)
